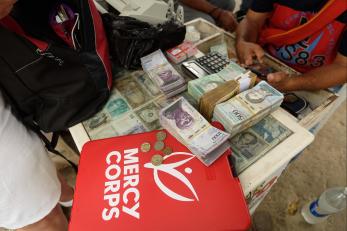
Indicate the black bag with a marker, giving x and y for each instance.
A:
(49, 84)
(131, 39)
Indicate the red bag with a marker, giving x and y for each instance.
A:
(118, 188)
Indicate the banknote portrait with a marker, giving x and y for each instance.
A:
(183, 119)
(148, 84)
(248, 144)
(257, 95)
(167, 77)
(116, 106)
(96, 121)
(149, 115)
(270, 129)
(208, 86)
(132, 91)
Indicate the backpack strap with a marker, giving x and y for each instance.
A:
(50, 145)
(279, 37)
(10, 24)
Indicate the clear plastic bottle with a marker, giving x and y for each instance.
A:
(331, 201)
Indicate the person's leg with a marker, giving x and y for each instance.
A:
(66, 190)
(54, 221)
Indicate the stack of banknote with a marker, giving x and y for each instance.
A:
(251, 144)
(190, 128)
(163, 74)
(248, 107)
(223, 92)
(245, 79)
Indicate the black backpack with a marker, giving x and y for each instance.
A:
(50, 85)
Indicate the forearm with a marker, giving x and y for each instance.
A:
(200, 5)
(249, 28)
(245, 31)
(320, 78)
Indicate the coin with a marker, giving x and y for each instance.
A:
(159, 145)
(157, 160)
(161, 135)
(167, 150)
(145, 147)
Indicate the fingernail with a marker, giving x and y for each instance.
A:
(270, 77)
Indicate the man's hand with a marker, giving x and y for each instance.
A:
(281, 81)
(227, 21)
(6, 7)
(246, 51)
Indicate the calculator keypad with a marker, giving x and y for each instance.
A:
(213, 61)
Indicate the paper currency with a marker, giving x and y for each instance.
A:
(132, 91)
(148, 84)
(222, 93)
(149, 115)
(128, 124)
(163, 74)
(232, 71)
(190, 128)
(221, 49)
(251, 144)
(248, 107)
(131, 108)
(116, 106)
(200, 86)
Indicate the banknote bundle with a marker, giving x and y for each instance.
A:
(163, 74)
(200, 86)
(192, 129)
(248, 107)
(181, 52)
(253, 143)
(223, 92)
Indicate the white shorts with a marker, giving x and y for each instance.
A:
(29, 186)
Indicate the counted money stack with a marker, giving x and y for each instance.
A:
(245, 79)
(159, 145)
(248, 107)
(190, 128)
(163, 74)
(222, 93)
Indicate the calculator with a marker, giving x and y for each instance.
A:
(206, 65)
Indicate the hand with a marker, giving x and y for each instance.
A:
(281, 81)
(246, 51)
(226, 20)
(6, 7)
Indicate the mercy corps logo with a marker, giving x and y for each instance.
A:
(128, 202)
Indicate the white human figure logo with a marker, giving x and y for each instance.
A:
(171, 169)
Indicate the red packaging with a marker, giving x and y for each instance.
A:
(118, 188)
(181, 52)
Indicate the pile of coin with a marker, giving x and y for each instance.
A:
(159, 145)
